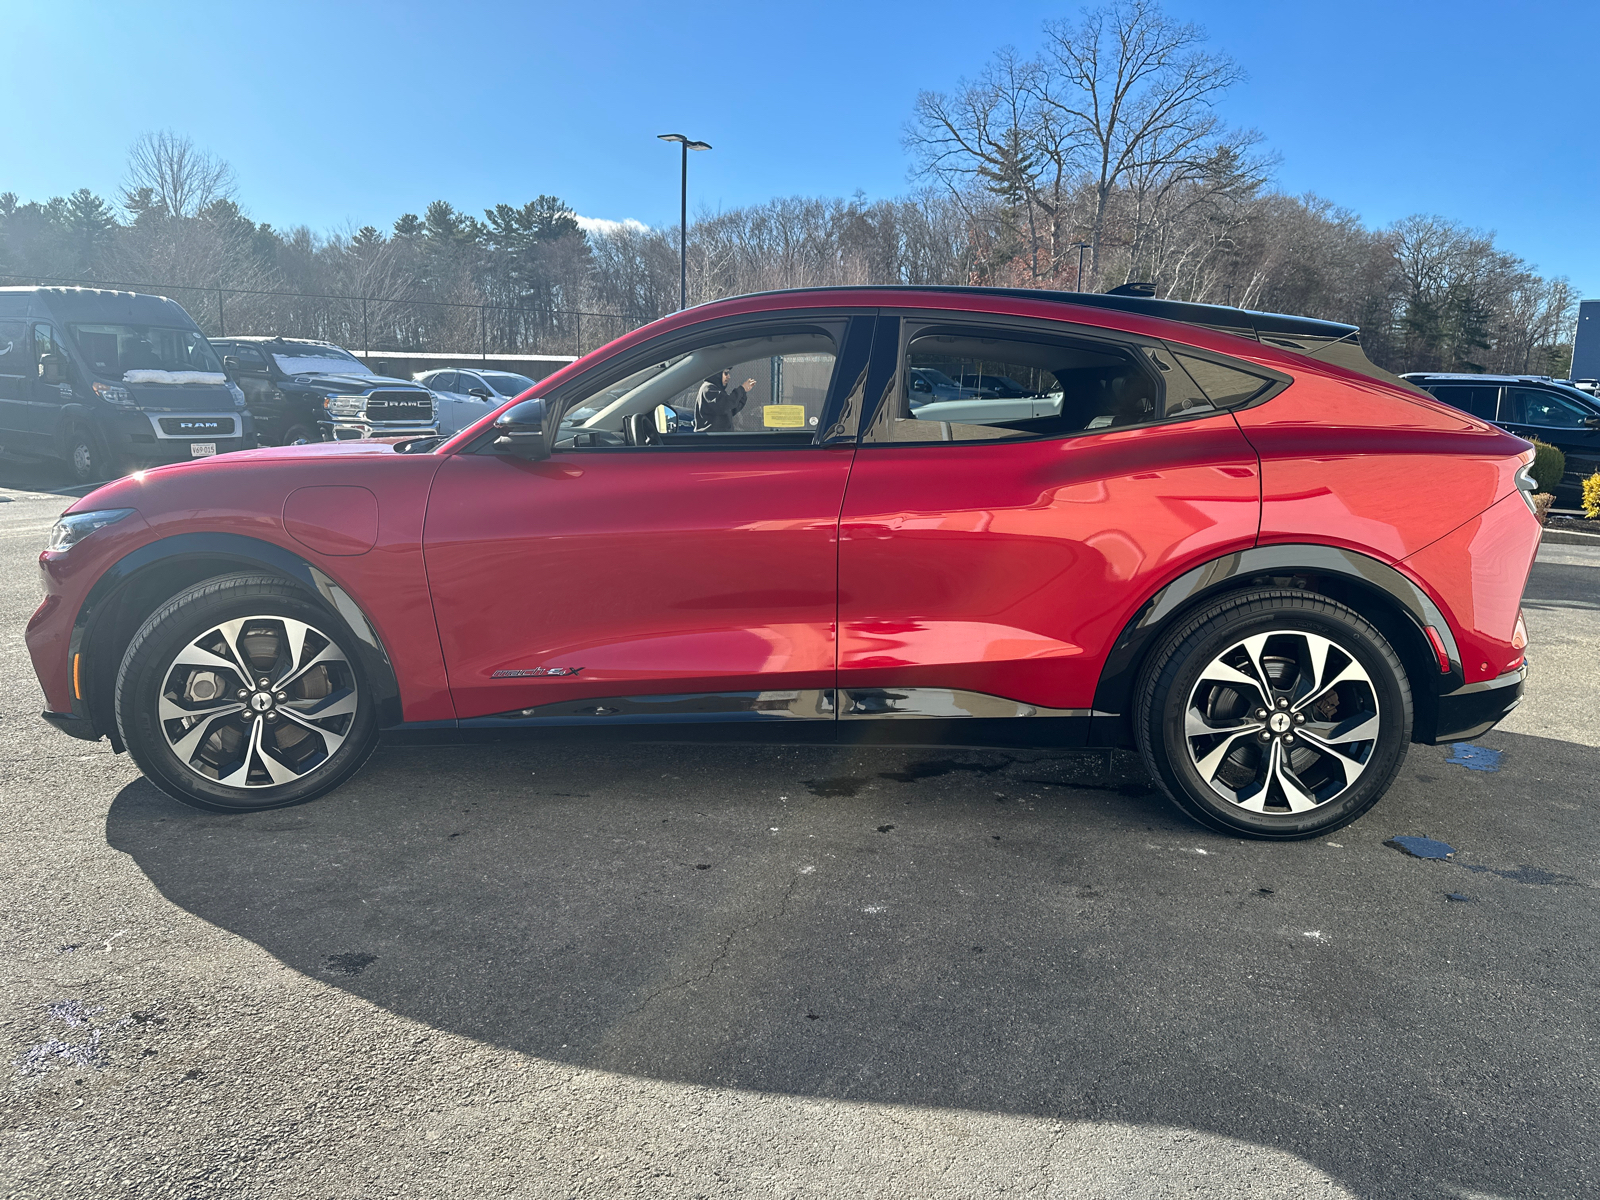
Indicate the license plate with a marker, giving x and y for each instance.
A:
(202, 449)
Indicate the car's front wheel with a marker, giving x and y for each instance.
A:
(242, 694)
(1274, 714)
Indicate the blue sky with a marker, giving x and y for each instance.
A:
(336, 115)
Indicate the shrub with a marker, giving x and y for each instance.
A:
(1541, 505)
(1591, 495)
(1549, 464)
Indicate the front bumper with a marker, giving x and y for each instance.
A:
(347, 430)
(1477, 708)
(143, 438)
(71, 723)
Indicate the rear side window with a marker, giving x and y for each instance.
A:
(982, 383)
(1479, 401)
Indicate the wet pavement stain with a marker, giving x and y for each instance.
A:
(349, 964)
(1473, 758)
(1458, 898)
(1523, 874)
(933, 768)
(885, 828)
(829, 789)
(1421, 847)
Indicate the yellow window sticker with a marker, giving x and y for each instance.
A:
(783, 416)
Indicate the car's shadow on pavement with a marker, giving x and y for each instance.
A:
(956, 929)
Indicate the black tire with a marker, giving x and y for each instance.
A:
(150, 680)
(298, 432)
(1181, 699)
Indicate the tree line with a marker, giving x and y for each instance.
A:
(1098, 160)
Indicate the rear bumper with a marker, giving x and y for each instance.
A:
(1475, 708)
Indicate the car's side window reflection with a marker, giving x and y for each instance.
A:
(768, 389)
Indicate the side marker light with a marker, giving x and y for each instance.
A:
(1439, 652)
(77, 677)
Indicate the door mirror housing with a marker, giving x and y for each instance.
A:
(519, 431)
(481, 393)
(52, 368)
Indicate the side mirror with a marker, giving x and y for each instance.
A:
(52, 368)
(1591, 422)
(519, 431)
(230, 363)
(481, 393)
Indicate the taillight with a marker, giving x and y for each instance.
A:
(1524, 479)
(1519, 635)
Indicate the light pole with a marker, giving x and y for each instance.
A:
(1080, 247)
(683, 213)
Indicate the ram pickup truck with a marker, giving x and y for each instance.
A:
(305, 391)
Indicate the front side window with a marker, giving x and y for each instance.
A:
(1531, 406)
(767, 388)
(114, 350)
(981, 384)
(505, 383)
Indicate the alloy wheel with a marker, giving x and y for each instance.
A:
(1282, 722)
(256, 702)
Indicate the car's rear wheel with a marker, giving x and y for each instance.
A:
(243, 694)
(1275, 714)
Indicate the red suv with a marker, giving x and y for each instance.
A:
(1223, 538)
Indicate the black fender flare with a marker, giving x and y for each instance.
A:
(236, 550)
(1358, 573)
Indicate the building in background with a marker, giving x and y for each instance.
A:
(1586, 342)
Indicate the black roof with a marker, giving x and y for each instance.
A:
(94, 306)
(1243, 322)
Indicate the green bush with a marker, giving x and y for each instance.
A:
(1549, 464)
(1591, 495)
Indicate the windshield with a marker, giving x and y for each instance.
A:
(506, 383)
(114, 350)
(308, 358)
(1582, 397)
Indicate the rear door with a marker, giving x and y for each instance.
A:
(638, 574)
(985, 566)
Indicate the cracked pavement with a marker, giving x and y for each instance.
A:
(734, 971)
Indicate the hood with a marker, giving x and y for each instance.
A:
(359, 383)
(186, 397)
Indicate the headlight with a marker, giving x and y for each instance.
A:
(74, 527)
(339, 405)
(112, 394)
(237, 393)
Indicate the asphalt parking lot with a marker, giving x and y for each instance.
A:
(659, 971)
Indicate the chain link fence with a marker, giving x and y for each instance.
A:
(377, 324)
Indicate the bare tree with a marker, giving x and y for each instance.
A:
(1134, 86)
(167, 175)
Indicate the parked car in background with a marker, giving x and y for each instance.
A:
(306, 391)
(1554, 411)
(929, 384)
(1235, 545)
(465, 396)
(110, 381)
(998, 386)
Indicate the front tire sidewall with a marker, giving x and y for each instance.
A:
(150, 657)
(1169, 744)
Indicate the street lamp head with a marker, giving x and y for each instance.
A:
(684, 141)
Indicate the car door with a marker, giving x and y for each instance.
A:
(986, 568)
(1541, 413)
(638, 574)
(50, 384)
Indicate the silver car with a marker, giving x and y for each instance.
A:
(464, 396)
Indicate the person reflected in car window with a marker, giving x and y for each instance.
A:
(717, 404)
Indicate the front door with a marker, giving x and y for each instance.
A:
(642, 573)
(16, 368)
(986, 565)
